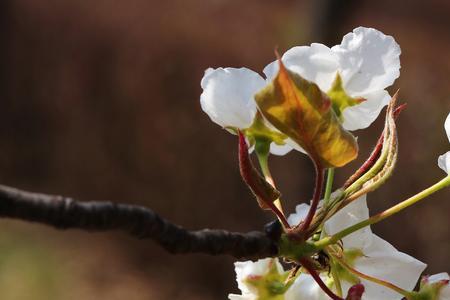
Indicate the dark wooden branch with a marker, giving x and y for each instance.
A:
(140, 222)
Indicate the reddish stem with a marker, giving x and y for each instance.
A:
(316, 198)
(307, 265)
(279, 214)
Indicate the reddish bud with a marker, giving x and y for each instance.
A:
(376, 151)
(355, 292)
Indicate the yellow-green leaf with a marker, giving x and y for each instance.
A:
(340, 100)
(300, 110)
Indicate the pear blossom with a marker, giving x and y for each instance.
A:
(227, 96)
(379, 259)
(367, 62)
(227, 99)
(444, 159)
(441, 282)
(249, 272)
(434, 287)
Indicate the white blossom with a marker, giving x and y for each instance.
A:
(367, 61)
(227, 96)
(444, 159)
(380, 259)
(228, 99)
(444, 291)
(248, 269)
(303, 289)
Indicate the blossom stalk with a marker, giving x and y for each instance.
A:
(328, 186)
(385, 214)
(262, 149)
(316, 198)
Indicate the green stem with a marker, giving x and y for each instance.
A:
(336, 280)
(262, 149)
(328, 186)
(263, 159)
(385, 214)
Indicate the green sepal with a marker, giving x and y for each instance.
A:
(350, 255)
(428, 291)
(272, 285)
(259, 131)
(340, 100)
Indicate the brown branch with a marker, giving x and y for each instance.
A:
(140, 222)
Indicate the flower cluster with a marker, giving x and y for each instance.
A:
(364, 252)
(310, 99)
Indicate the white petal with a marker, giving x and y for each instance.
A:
(351, 214)
(305, 288)
(381, 260)
(316, 63)
(444, 162)
(280, 150)
(438, 277)
(242, 297)
(301, 211)
(247, 268)
(227, 96)
(444, 293)
(362, 115)
(447, 126)
(369, 60)
(286, 148)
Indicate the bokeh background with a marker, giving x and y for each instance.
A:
(100, 100)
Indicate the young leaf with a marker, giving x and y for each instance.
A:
(384, 165)
(300, 110)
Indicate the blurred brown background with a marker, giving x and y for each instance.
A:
(99, 100)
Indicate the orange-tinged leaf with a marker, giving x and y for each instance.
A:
(300, 110)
